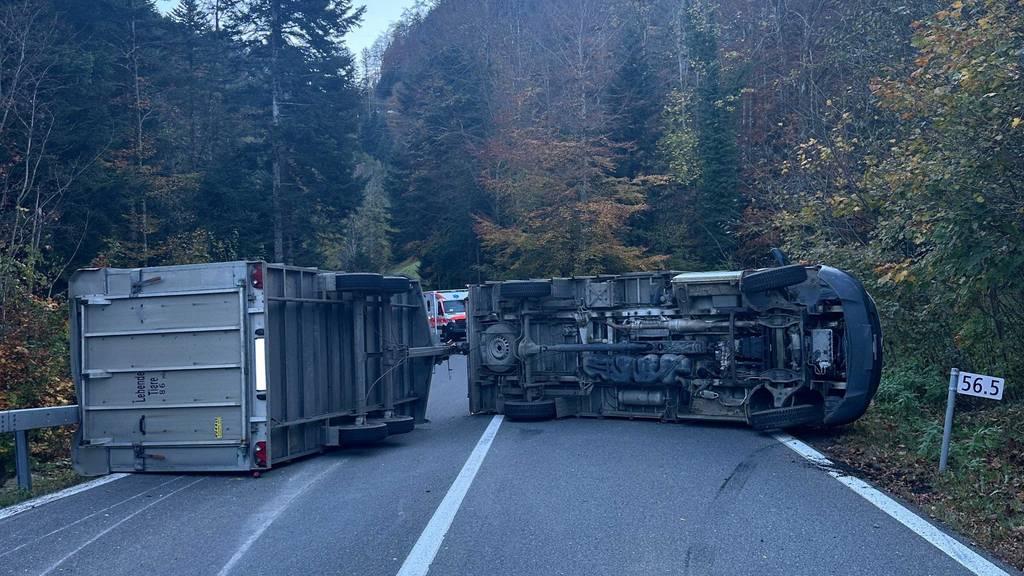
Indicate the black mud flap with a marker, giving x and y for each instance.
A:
(777, 418)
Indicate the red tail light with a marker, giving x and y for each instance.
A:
(257, 277)
(261, 454)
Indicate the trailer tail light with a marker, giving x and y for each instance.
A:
(257, 277)
(261, 454)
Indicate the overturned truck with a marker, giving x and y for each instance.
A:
(774, 348)
(238, 366)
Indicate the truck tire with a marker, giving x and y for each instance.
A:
(773, 278)
(525, 289)
(358, 282)
(789, 417)
(369, 433)
(394, 284)
(529, 411)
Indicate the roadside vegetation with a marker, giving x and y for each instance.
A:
(491, 140)
(896, 445)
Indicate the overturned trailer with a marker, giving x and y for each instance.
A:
(773, 348)
(238, 366)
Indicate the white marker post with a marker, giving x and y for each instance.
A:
(972, 385)
(948, 428)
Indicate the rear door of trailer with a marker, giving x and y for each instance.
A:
(161, 357)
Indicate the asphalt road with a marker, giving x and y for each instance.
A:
(584, 497)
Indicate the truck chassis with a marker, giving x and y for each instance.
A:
(773, 348)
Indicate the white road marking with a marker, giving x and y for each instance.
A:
(947, 544)
(84, 518)
(417, 563)
(116, 524)
(266, 516)
(47, 498)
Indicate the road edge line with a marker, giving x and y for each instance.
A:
(422, 555)
(15, 509)
(86, 517)
(949, 545)
(114, 526)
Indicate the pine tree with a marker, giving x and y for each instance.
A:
(716, 199)
(308, 91)
(441, 120)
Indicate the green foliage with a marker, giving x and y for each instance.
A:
(680, 143)
(716, 197)
(33, 365)
(364, 242)
(439, 120)
(909, 388)
(912, 400)
(951, 220)
(919, 196)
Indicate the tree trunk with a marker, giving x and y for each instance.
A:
(193, 155)
(139, 118)
(275, 194)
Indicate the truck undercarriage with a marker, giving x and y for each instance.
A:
(773, 348)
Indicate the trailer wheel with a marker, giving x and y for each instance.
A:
(394, 284)
(773, 278)
(369, 433)
(525, 289)
(399, 424)
(358, 282)
(527, 411)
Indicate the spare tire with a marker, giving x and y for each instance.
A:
(358, 282)
(394, 284)
(773, 278)
(525, 289)
(526, 411)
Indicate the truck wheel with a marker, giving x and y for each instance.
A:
(369, 433)
(773, 278)
(358, 282)
(394, 284)
(525, 289)
(789, 417)
(526, 411)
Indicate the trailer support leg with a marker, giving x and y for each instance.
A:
(359, 360)
(388, 348)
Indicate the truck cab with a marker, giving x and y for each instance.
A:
(446, 313)
(454, 302)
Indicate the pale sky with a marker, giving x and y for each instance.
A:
(378, 16)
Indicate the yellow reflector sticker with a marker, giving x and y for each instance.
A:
(218, 427)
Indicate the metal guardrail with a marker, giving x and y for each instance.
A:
(21, 421)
